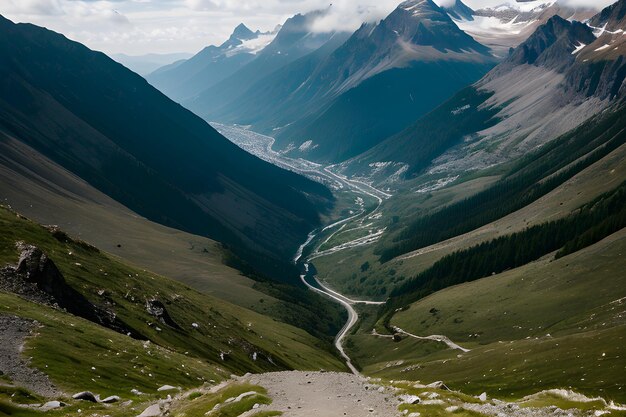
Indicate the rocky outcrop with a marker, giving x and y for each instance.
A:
(157, 309)
(37, 278)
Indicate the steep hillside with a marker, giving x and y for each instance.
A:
(213, 64)
(182, 337)
(30, 183)
(548, 325)
(108, 126)
(545, 88)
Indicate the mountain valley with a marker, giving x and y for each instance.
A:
(424, 215)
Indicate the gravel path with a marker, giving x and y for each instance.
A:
(13, 332)
(324, 394)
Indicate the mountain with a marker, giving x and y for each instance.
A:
(108, 126)
(382, 78)
(553, 82)
(213, 64)
(294, 40)
(612, 19)
(146, 64)
(510, 23)
(459, 11)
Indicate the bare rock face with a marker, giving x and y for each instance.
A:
(552, 44)
(37, 278)
(36, 268)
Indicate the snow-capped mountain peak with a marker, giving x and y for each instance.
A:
(509, 23)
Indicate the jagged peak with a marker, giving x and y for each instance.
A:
(552, 44)
(242, 32)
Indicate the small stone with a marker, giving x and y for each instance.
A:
(483, 397)
(153, 411)
(85, 396)
(111, 399)
(52, 405)
(166, 388)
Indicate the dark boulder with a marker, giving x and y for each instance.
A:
(85, 396)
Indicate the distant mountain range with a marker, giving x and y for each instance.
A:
(330, 96)
(183, 80)
(294, 40)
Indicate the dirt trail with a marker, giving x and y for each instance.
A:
(436, 338)
(13, 332)
(325, 394)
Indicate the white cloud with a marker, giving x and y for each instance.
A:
(162, 26)
(445, 3)
(595, 4)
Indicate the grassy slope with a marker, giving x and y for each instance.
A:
(339, 269)
(222, 326)
(32, 184)
(567, 331)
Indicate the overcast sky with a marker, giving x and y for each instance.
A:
(138, 27)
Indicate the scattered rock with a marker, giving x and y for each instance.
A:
(37, 278)
(111, 399)
(85, 396)
(410, 399)
(438, 385)
(153, 411)
(483, 397)
(52, 405)
(166, 388)
(157, 309)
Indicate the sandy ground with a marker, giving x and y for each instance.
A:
(13, 332)
(325, 394)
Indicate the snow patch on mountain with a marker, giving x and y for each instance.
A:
(579, 48)
(252, 46)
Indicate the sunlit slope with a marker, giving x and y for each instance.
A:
(549, 324)
(220, 327)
